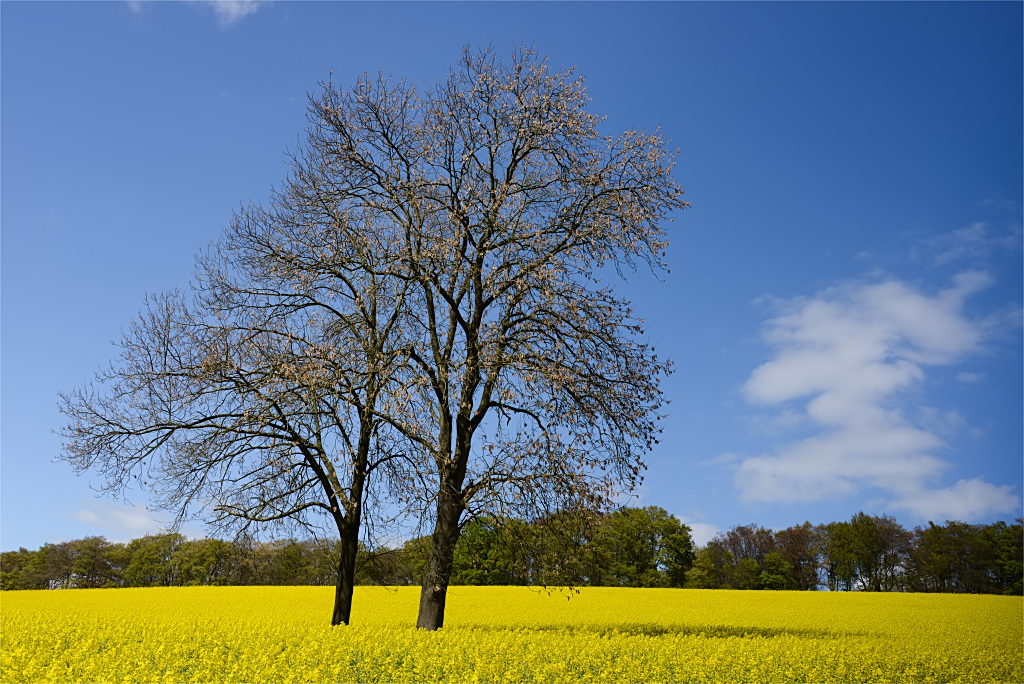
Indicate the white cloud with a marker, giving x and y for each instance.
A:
(700, 533)
(845, 360)
(975, 242)
(230, 12)
(788, 419)
(119, 522)
(123, 522)
(727, 457)
(965, 376)
(942, 422)
(966, 500)
(1002, 205)
(840, 462)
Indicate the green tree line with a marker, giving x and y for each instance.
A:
(631, 547)
(866, 553)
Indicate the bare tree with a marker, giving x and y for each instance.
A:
(424, 297)
(534, 391)
(254, 400)
(545, 399)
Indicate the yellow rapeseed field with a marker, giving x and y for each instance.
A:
(508, 634)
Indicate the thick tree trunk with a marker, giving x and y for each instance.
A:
(348, 527)
(346, 574)
(438, 571)
(450, 504)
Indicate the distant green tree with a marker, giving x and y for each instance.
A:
(471, 563)
(204, 562)
(737, 556)
(777, 573)
(798, 547)
(258, 563)
(963, 558)
(35, 574)
(491, 552)
(153, 562)
(677, 553)
(747, 541)
(414, 557)
(11, 563)
(838, 557)
(703, 574)
(291, 563)
(956, 557)
(930, 560)
(381, 566)
(323, 560)
(220, 558)
(1008, 556)
(746, 574)
(561, 549)
(119, 557)
(92, 565)
(22, 569)
(880, 546)
(643, 547)
(60, 565)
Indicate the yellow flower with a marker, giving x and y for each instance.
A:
(508, 634)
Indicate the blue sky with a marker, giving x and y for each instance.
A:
(844, 304)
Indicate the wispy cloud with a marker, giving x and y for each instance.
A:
(976, 243)
(969, 377)
(1002, 205)
(966, 500)
(123, 522)
(228, 12)
(700, 533)
(119, 522)
(844, 359)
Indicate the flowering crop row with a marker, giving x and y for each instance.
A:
(508, 634)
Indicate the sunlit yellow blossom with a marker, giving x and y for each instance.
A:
(508, 634)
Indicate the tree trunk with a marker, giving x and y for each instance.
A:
(346, 574)
(438, 571)
(348, 526)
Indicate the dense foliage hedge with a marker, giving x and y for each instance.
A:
(632, 547)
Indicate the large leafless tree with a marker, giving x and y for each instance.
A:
(255, 398)
(535, 393)
(429, 282)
